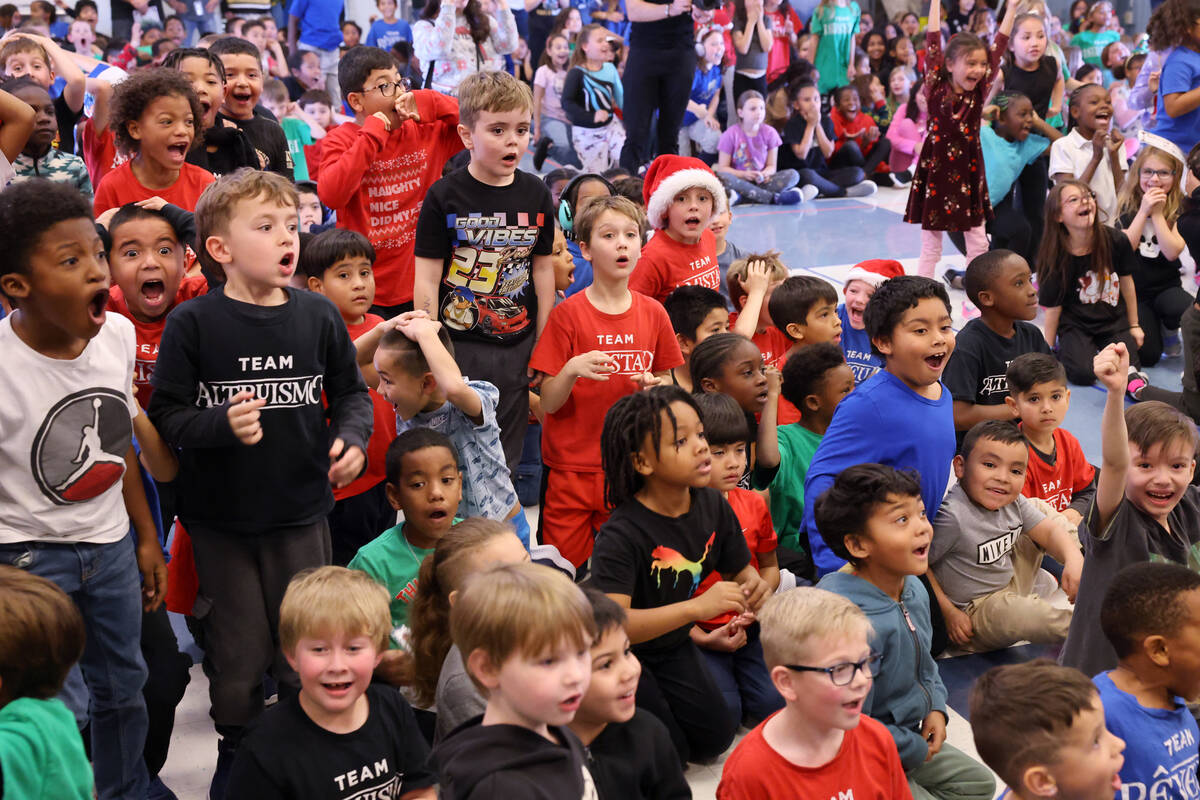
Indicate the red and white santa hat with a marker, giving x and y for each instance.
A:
(669, 175)
(874, 271)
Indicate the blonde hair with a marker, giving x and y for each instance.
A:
(736, 274)
(520, 609)
(442, 572)
(491, 91)
(1130, 197)
(587, 217)
(791, 619)
(217, 205)
(334, 600)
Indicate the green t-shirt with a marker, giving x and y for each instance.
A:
(391, 560)
(1092, 44)
(836, 25)
(41, 752)
(797, 445)
(298, 135)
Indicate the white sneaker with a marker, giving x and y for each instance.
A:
(808, 192)
(863, 189)
(1044, 584)
(734, 198)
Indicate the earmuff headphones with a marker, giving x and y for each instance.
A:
(566, 203)
(701, 36)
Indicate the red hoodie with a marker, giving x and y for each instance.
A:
(376, 182)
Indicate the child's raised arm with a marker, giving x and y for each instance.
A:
(758, 278)
(424, 332)
(65, 68)
(766, 456)
(16, 123)
(934, 23)
(1010, 14)
(1111, 366)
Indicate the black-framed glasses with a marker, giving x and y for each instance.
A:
(1161, 174)
(390, 89)
(842, 674)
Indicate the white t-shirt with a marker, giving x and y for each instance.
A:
(65, 426)
(1072, 154)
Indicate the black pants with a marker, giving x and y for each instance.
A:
(1033, 183)
(655, 80)
(1077, 348)
(742, 83)
(677, 688)
(539, 30)
(503, 366)
(1009, 229)
(357, 520)
(832, 182)
(851, 155)
(1156, 311)
(168, 678)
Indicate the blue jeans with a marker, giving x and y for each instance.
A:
(560, 133)
(104, 581)
(744, 681)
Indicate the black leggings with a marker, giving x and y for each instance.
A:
(1156, 311)
(1077, 348)
(1009, 229)
(677, 688)
(851, 155)
(655, 80)
(167, 679)
(742, 83)
(1033, 184)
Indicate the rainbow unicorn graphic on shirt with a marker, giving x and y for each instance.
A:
(669, 558)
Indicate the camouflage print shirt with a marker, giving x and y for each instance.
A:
(57, 166)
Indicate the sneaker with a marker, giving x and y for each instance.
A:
(540, 151)
(1172, 345)
(903, 177)
(734, 198)
(808, 192)
(789, 197)
(953, 277)
(884, 180)
(862, 189)
(1137, 382)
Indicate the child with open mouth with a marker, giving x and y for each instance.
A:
(156, 115)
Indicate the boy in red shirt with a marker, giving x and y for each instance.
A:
(858, 141)
(1058, 472)
(375, 171)
(752, 280)
(682, 196)
(598, 346)
(338, 264)
(817, 648)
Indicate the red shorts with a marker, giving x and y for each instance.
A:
(572, 512)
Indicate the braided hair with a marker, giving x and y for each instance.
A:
(627, 424)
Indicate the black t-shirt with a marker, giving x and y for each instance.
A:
(672, 33)
(793, 133)
(1087, 305)
(268, 139)
(659, 560)
(295, 89)
(1153, 272)
(233, 151)
(293, 355)
(1037, 85)
(67, 120)
(636, 760)
(287, 755)
(976, 370)
(486, 237)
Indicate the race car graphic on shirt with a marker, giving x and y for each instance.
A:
(79, 450)
(487, 287)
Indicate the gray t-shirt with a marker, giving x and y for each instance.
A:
(457, 700)
(971, 553)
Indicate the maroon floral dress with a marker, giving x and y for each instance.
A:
(949, 192)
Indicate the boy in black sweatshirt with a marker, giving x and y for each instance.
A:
(238, 388)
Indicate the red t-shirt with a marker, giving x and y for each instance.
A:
(639, 340)
(755, 518)
(376, 182)
(666, 265)
(98, 151)
(780, 55)
(149, 334)
(1057, 483)
(382, 434)
(121, 186)
(866, 767)
(842, 126)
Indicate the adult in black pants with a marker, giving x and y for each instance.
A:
(658, 77)
(540, 19)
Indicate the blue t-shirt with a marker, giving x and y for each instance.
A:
(1003, 160)
(883, 421)
(583, 269)
(1160, 744)
(385, 34)
(705, 84)
(857, 347)
(319, 26)
(1181, 73)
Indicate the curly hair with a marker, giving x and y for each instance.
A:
(1171, 23)
(132, 96)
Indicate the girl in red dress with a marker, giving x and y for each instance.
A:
(949, 192)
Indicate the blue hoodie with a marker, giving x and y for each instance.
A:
(908, 685)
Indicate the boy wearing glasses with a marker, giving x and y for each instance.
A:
(872, 516)
(821, 744)
(375, 171)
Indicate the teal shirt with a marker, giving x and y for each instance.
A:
(1092, 44)
(298, 135)
(836, 25)
(41, 752)
(797, 445)
(1003, 160)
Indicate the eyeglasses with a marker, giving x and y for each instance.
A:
(1072, 201)
(842, 674)
(389, 89)
(1161, 174)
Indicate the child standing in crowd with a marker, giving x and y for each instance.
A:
(752, 41)
(551, 129)
(1178, 113)
(40, 158)
(1031, 70)
(28, 54)
(747, 163)
(388, 28)
(592, 95)
(834, 24)
(949, 192)
(243, 87)
(1096, 33)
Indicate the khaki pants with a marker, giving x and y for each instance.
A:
(1015, 613)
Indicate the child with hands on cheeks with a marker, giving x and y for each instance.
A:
(1091, 152)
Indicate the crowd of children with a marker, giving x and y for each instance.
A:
(284, 332)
